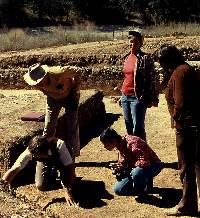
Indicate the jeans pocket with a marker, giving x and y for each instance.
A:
(123, 98)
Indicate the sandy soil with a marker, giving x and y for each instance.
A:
(97, 199)
(95, 193)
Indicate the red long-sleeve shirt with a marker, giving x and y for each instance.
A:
(129, 71)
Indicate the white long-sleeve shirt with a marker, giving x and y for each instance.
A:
(26, 156)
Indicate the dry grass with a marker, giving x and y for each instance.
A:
(22, 39)
(179, 29)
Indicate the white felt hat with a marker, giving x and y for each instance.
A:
(36, 73)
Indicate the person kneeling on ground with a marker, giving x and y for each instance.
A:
(50, 156)
(136, 166)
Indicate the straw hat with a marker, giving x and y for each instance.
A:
(36, 73)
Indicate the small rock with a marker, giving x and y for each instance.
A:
(2, 95)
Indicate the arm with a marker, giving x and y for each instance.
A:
(75, 92)
(76, 87)
(118, 167)
(67, 183)
(152, 82)
(10, 174)
(139, 150)
(141, 160)
(68, 171)
(20, 163)
(121, 159)
(178, 95)
(166, 74)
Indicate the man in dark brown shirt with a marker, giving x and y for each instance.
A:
(183, 94)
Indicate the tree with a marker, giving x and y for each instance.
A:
(12, 13)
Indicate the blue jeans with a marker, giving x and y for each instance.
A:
(136, 182)
(134, 115)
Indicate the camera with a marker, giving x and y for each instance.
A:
(122, 173)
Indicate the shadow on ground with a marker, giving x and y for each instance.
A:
(163, 197)
(94, 164)
(90, 194)
(96, 129)
(172, 165)
(168, 197)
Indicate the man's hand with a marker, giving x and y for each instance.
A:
(116, 168)
(119, 102)
(177, 125)
(3, 184)
(70, 200)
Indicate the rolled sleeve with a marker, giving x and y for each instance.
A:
(64, 154)
(22, 160)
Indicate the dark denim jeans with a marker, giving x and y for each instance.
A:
(134, 115)
(136, 182)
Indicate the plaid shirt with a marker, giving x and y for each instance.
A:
(136, 153)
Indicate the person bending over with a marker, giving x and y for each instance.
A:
(137, 163)
(61, 85)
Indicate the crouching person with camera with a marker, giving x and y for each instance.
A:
(137, 164)
(51, 155)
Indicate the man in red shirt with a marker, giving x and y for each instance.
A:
(137, 163)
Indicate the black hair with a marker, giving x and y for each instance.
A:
(136, 34)
(108, 135)
(170, 55)
(38, 144)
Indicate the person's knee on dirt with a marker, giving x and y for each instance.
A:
(61, 85)
(137, 163)
(51, 155)
(136, 183)
(45, 176)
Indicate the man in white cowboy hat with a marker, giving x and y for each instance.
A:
(61, 85)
